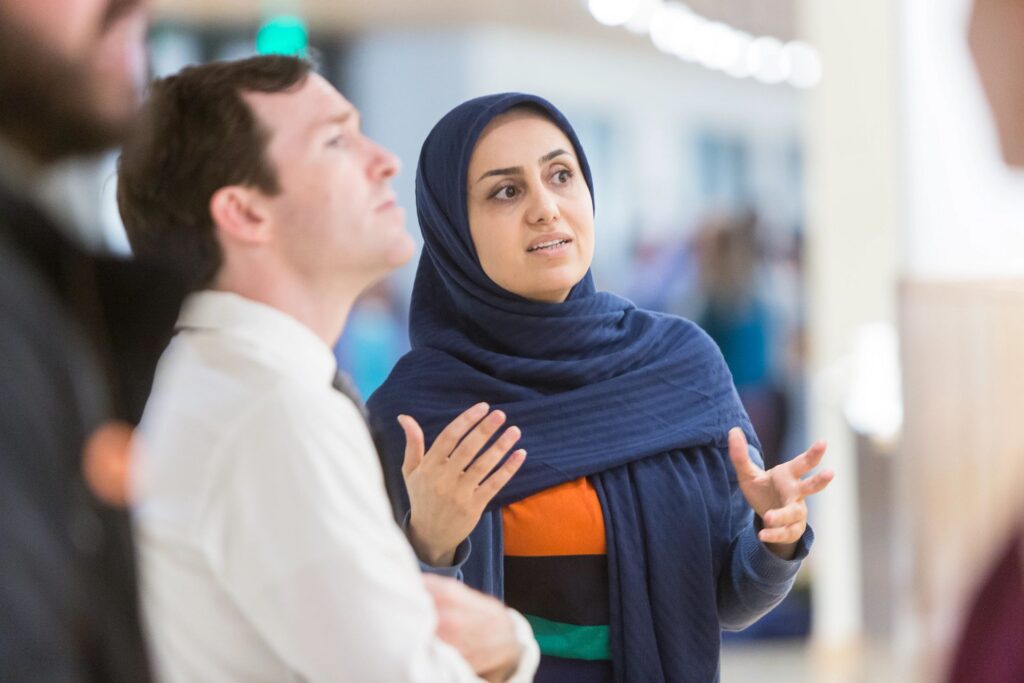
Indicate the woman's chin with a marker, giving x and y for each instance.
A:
(551, 291)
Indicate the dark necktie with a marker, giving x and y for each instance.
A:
(343, 383)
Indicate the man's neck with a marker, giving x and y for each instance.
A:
(324, 310)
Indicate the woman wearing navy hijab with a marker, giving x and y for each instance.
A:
(628, 536)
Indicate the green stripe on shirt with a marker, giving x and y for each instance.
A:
(568, 641)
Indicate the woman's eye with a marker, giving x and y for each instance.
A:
(562, 176)
(336, 141)
(506, 192)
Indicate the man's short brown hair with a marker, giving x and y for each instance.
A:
(196, 135)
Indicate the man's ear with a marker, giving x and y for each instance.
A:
(240, 215)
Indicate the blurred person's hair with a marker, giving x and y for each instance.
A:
(728, 246)
(196, 135)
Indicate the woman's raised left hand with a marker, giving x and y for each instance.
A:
(777, 495)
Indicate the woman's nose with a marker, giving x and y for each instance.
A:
(543, 210)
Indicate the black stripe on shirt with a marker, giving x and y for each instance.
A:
(571, 589)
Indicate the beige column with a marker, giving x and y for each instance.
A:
(853, 190)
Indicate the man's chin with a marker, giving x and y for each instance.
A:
(85, 133)
(401, 251)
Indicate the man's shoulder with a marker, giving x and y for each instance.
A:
(216, 417)
(197, 381)
(220, 380)
(27, 297)
(230, 428)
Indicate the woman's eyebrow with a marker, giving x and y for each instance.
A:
(518, 170)
(511, 170)
(551, 155)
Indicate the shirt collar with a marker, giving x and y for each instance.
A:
(284, 342)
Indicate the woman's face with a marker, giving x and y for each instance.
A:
(530, 211)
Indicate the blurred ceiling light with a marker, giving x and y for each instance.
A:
(804, 64)
(737, 66)
(613, 12)
(675, 29)
(661, 27)
(640, 22)
(718, 46)
(765, 61)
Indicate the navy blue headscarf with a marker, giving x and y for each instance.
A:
(638, 401)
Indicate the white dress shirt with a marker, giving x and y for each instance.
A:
(267, 547)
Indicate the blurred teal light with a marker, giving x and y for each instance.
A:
(282, 35)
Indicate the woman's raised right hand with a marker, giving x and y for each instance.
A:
(449, 486)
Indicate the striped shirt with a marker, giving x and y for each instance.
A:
(556, 574)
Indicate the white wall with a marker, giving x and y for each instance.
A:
(855, 211)
(965, 210)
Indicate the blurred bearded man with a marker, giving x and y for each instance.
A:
(79, 334)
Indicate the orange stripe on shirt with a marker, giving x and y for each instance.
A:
(562, 520)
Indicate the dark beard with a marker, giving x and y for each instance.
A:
(46, 100)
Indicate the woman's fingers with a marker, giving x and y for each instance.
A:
(808, 460)
(482, 466)
(413, 444)
(790, 533)
(739, 453)
(496, 482)
(476, 440)
(817, 483)
(450, 436)
(790, 514)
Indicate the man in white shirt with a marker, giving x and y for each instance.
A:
(268, 550)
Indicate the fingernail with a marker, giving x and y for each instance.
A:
(400, 418)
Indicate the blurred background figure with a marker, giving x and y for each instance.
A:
(736, 312)
(79, 336)
(991, 644)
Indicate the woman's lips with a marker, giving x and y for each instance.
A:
(551, 248)
(550, 242)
